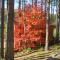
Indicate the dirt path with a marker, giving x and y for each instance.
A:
(37, 55)
(33, 55)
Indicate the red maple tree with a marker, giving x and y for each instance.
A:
(29, 27)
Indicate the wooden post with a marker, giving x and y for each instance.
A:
(10, 32)
(2, 30)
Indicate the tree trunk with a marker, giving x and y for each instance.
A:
(34, 2)
(2, 30)
(0, 6)
(58, 23)
(47, 26)
(10, 32)
(19, 3)
(7, 4)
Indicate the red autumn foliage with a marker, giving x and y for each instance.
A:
(29, 27)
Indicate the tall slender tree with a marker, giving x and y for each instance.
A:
(59, 20)
(47, 2)
(7, 4)
(57, 27)
(10, 32)
(2, 30)
(20, 3)
(0, 5)
(34, 2)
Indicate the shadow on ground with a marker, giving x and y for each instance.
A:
(51, 58)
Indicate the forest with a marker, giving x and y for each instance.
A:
(29, 28)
